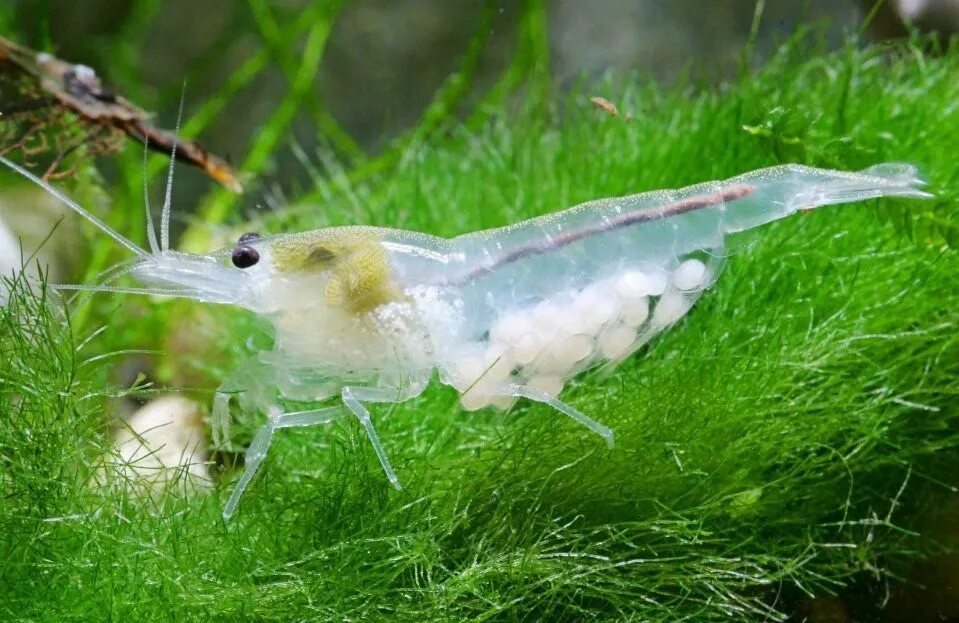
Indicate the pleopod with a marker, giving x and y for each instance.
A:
(368, 314)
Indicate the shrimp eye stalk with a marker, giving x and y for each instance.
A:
(244, 256)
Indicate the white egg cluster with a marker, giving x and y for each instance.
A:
(543, 345)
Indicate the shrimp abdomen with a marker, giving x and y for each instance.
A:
(549, 297)
(783, 190)
(580, 245)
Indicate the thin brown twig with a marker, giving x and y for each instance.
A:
(77, 89)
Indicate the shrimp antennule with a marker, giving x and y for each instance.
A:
(113, 274)
(167, 200)
(151, 230)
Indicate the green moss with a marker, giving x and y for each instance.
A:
(793, 434)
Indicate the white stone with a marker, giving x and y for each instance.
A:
(84, 73)
(28, 218)
(9, 258)
(9, 251)
(163, 445)
(690, 275)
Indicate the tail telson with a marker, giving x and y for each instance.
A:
(784, 190)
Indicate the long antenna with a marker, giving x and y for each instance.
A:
(165, 215)
(73, 205)
(181, 293)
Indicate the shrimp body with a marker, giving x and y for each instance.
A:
(527, 306)
(365, 314)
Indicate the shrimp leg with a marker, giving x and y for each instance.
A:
(261, 444)
(253, 384)
(522, 391)
(351, 396)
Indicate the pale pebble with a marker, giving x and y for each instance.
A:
(163, 445)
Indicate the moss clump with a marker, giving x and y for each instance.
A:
(792, 435)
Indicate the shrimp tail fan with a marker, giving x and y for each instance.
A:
(780, 191)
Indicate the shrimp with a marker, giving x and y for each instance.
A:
(367, 315)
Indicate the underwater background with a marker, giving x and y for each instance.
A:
(786, 452)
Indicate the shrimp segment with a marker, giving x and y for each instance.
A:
(366, 315)
(257, 451)
(553, 296)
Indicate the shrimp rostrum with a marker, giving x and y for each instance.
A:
(366, 315)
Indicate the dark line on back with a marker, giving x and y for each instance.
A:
(624, 220)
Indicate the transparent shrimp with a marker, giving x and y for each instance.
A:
(366, 315)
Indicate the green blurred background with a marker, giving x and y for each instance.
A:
(809, 389)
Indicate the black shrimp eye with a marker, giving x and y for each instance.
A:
(248, 236)
(244, 256)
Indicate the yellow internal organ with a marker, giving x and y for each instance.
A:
(359, 268)
(361, 281)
